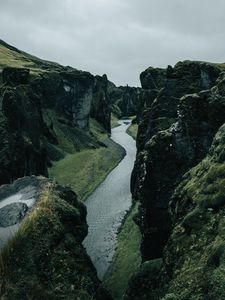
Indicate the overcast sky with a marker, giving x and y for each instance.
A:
(118, 37)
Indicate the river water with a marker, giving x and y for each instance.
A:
(108, 204)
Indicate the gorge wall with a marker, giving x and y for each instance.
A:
(125, 100)
(180, 207)
(45, 113)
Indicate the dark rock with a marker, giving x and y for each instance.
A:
(181, 211)
(153, 78)
(125, 100)
(15, 76)
(49, 247)
(100, 109)
(12, 214)
(175, 135)
(148, 282)
(47, 115)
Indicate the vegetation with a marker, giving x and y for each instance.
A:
(127, 257)
(83, 171)
(12, 57)
(45, 259)
(114, 120)
(132, 130)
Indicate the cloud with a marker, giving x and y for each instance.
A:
(117, 37)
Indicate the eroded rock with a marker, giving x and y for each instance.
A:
(12, 214)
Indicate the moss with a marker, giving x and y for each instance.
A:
(127, 257)
(132, 130)
(147, 282)
(114, 121)
(84, 171)
(45, 258)
(195, 253)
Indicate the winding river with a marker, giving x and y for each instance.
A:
(107, 206)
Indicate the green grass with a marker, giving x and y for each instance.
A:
(12, 57)
(84, 171)
(44, 259)
(114, 121)
(132, 130)
(127, 257)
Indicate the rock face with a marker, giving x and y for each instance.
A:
(124, 100)
(48, 249)
(193, 259)
(12, 214)
(100, 109)
(45, 113)
(175, 135)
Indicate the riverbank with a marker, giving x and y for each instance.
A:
(132, 130)
(127, 257)
(108, 205)
(84, 171)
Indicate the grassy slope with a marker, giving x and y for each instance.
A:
(126, 259)
(132, 130)
(83, 171)
(45, 258)
(13, 57)
(114, 121)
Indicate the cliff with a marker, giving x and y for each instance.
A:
(174, 137)
(45, 257)
(124, 100)
(49, 114)
(45, 112)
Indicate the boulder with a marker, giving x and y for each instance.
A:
(12, 214)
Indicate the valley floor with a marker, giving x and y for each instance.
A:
(127, 257)
(83, 171)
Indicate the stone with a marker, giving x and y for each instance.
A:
(12, 214)
(49, 244)
(46, 114)
(15, 76)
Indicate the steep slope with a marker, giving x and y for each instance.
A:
(45, 258)
(193, 259)
(167, 149)
(175, 135)
(124, 100)
(45, 112)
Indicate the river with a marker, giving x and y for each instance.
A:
(108, 204)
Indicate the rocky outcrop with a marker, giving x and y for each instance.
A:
(22, 148)
(185, 78)
(193, 259)
(12, 214)
(45, 113)
(100, 109)
(46, 257)
(175, 135)
(125, 100)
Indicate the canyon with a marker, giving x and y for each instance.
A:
(57, 157)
